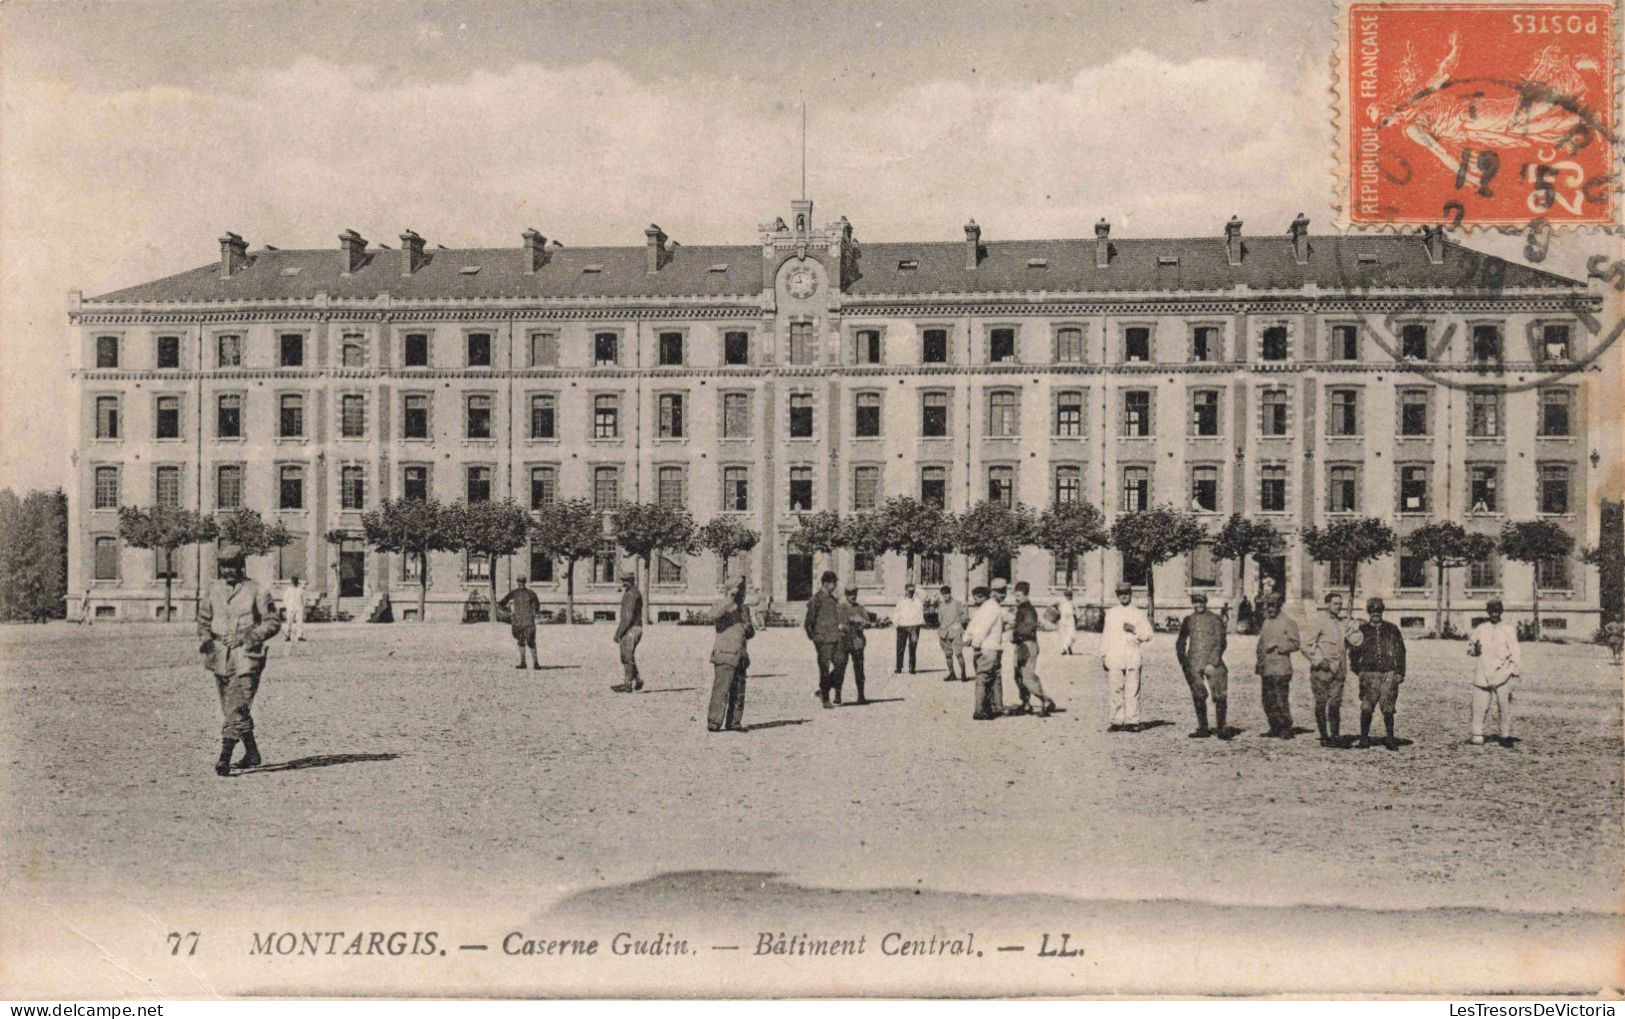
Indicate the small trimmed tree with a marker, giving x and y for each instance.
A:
(246, 529)
(866, 533)
(1535, 542)
(1241, 539)
(1154, 536)
(912, 529)
(1067, 530)
(644, 529)
(410, 527)
(570, 530)
(991, 530)
(164, 529)
(820, 533)
(491, 529)
(1352, 541)
(726, 536)
(1448, 546)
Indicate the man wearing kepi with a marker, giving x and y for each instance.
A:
(522, 604)
(235, 618)
(1380, 661)
(1277, 639)
(822, 624)
(628, 632)
(1327, 651)
(1494, 643)
(908, 617)
(1125, 629)
(1024, 636)
(729, 662)
(951, 620)
(984, 635)
(854, 621)
(1200, 649)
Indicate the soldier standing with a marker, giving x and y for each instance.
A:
(235, 618)
(729, 662)
(908, 617)
(1380, 661)
(1495, 644)
(1125, 629)
(1024, 634)
(293, 605)
(1200, 649)
(628, 632)
(522, 605)
(1277, 639)
(951, 620)
(1068, 623)
(822, 625)
(854, 619)
(984, 635)
(1327, 651)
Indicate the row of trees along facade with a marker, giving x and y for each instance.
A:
(1292, 379)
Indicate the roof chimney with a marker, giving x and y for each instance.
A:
(1103, 244)
(973, 244)
(1232, 240)
(535, 250)
(355, 250)
(655, 250)
(233, 254)
(411, 253)
(1300, 239)
(1434, 236)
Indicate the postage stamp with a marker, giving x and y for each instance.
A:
(1478, 114)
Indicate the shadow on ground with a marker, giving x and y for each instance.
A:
(319, 761)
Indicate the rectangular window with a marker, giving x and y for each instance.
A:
(107, 417)
(1343, 488)
(1484, 481)
(1554, 411)
(930, 569)
(604, 562)
(670, 489)
(865, 488)
(107, 351)
(801, 415)
(411, 568)
(169, 352)
(229, 351)
(606, 489)
(934, 415)
(736, 415)
(168, 421)
(353, 416)
(863, 563)
(668, 570)
(1339, 573)
(1136, 489)
(736, 347)
(291, 420)
(1204, 567)
(544, 416)
(415, 419)
(1486, 343)
(415, 352)
(291, 350)
(1205, 412)
(1413, 341)
(735, 489)
(352, 487)
(1068, 483)
(1484, 413)
(1133, 571)
(866, 346)
(107, 558)
(166, 486)
(228, 487)
(1205, 343)
(1001, 484)
(353, 354)
(1552, 574)
(1413, 488)
(1136, 344)
(1413, 571)
(669, 349)
(228, 416)
(1554, 488)
(1205, 488)
(541, 567)
(1069, 345)
(106, 488)
(1274, 346)
(1345, 343)
(1272, 488)
(1413, 412)
(801, 343)
(476, 568)
(801, 489)
(1344, 408)
(290, 487)
(671, 415)
(479, 417)
(479, 350)
(1273, 412)
(477, 485)
(1482, 574)
(1069, 414)
(163, 565)
(606, 417)
(934, 347)
(1554, 342)
(934, 486)
(544, 350)
(544, 486)
(415, 483)
(1136, 413)
(1001, 346)
(866, 418)
(605, 349)
(1003, 417)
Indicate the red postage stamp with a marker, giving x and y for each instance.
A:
(1479, 114)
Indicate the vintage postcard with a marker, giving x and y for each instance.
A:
(466, 469)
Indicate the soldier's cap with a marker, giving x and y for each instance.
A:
(999, 584)
(1124, 587)
(852, 589)
(1199, 597)
(947, 591)
(231, 554)
(1022, 587)
(1494, 606)
(1374, 605)
(629, 574)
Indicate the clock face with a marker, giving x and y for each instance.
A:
(802, 282)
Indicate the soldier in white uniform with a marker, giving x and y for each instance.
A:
(1494, 643)
(1126, 628)
(293, 603)
(1067, 625)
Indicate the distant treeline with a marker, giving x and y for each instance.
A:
(33, 556)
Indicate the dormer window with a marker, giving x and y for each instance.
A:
(719, 267)
(908, 264)
(289, 270)
(592, 268)
(469, 270)
(1167, 260)
(1038, 263)
(1366, 258)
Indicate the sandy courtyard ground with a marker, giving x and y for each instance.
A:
(412, 768)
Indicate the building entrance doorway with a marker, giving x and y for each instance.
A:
(352, 574)
(798, 576)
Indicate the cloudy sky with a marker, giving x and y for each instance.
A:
(135, 133)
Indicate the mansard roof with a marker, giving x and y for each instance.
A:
(1185, 265)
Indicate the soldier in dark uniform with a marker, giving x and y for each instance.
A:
(235, 618)
(823, 627)
(854, 619)
(522, 604)
(1200, 649)
(729, 662)
(1379, 659)
(628, 631)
